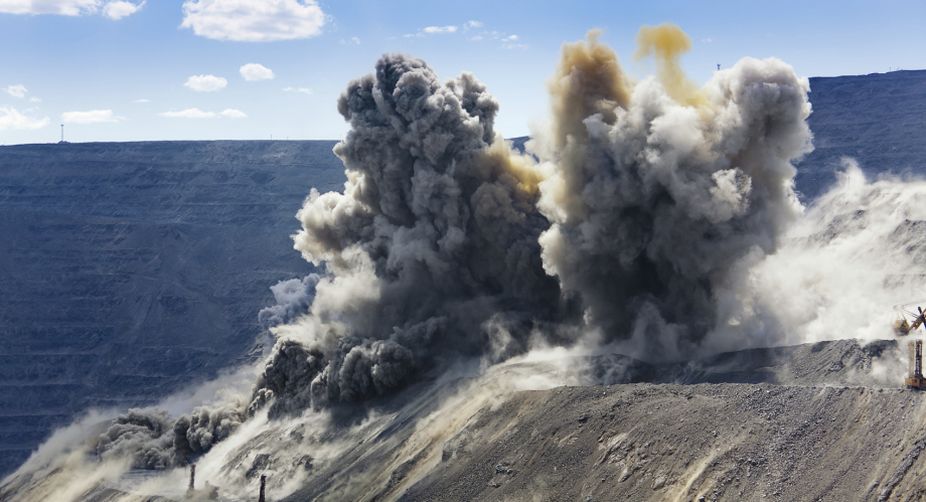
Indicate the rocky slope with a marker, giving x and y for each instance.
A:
(840, 420)
(878, 119)
(690, 442)
(825, 421)
(129, 269)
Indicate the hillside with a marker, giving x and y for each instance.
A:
(690, 442)
(128, 269)
(878, 119)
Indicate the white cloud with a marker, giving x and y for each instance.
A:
(350, 41)
(437, 30)
(253, 20)
(113, 9)
(34, 99)
(512, 42)
(189, 113)
(17, 90)
(206, 83)
(433, 30)
(90, 117)
(196, 113)
(119, 9)
(11, 118)
(232, 113)
(253, 72)
(142, 100)
(301, 90)
(60, 7)
(507, 41)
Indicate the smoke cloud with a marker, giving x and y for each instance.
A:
(152, 441)
(446, 244)
(855, 253)
(293, 298)
(654, 201)
(434, 234)
(667, 43)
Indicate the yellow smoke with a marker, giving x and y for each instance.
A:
(589, 80)
(520, 168)
(666, 43)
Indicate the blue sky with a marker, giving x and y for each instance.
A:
(124, 79)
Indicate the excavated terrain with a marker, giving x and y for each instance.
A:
(824, 421)
(690, 442)
(820, 436)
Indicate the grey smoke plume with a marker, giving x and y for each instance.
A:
(434, 234)
(649, 200)
(152, 441)
(659, 190)
(144, 436)
(293, 298)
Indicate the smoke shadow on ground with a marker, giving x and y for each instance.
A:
(837, 362)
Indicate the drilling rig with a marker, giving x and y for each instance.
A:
(903, 327)
(915, 378)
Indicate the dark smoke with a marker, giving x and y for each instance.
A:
(446, 244)
(434, 235)
(144, 436)
(196, 433)
(153, 441)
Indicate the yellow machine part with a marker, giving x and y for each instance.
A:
(915, 382)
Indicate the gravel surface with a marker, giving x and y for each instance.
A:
(826, 421)
(685, 442)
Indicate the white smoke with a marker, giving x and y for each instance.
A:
(855, 253)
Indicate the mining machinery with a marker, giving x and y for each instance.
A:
(903, 325)
(908, 321)
(915, 378)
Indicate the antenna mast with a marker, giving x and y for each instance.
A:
(62, 133)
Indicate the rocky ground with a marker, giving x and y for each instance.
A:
(690, 442)
(825, 421)
(815, 438)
